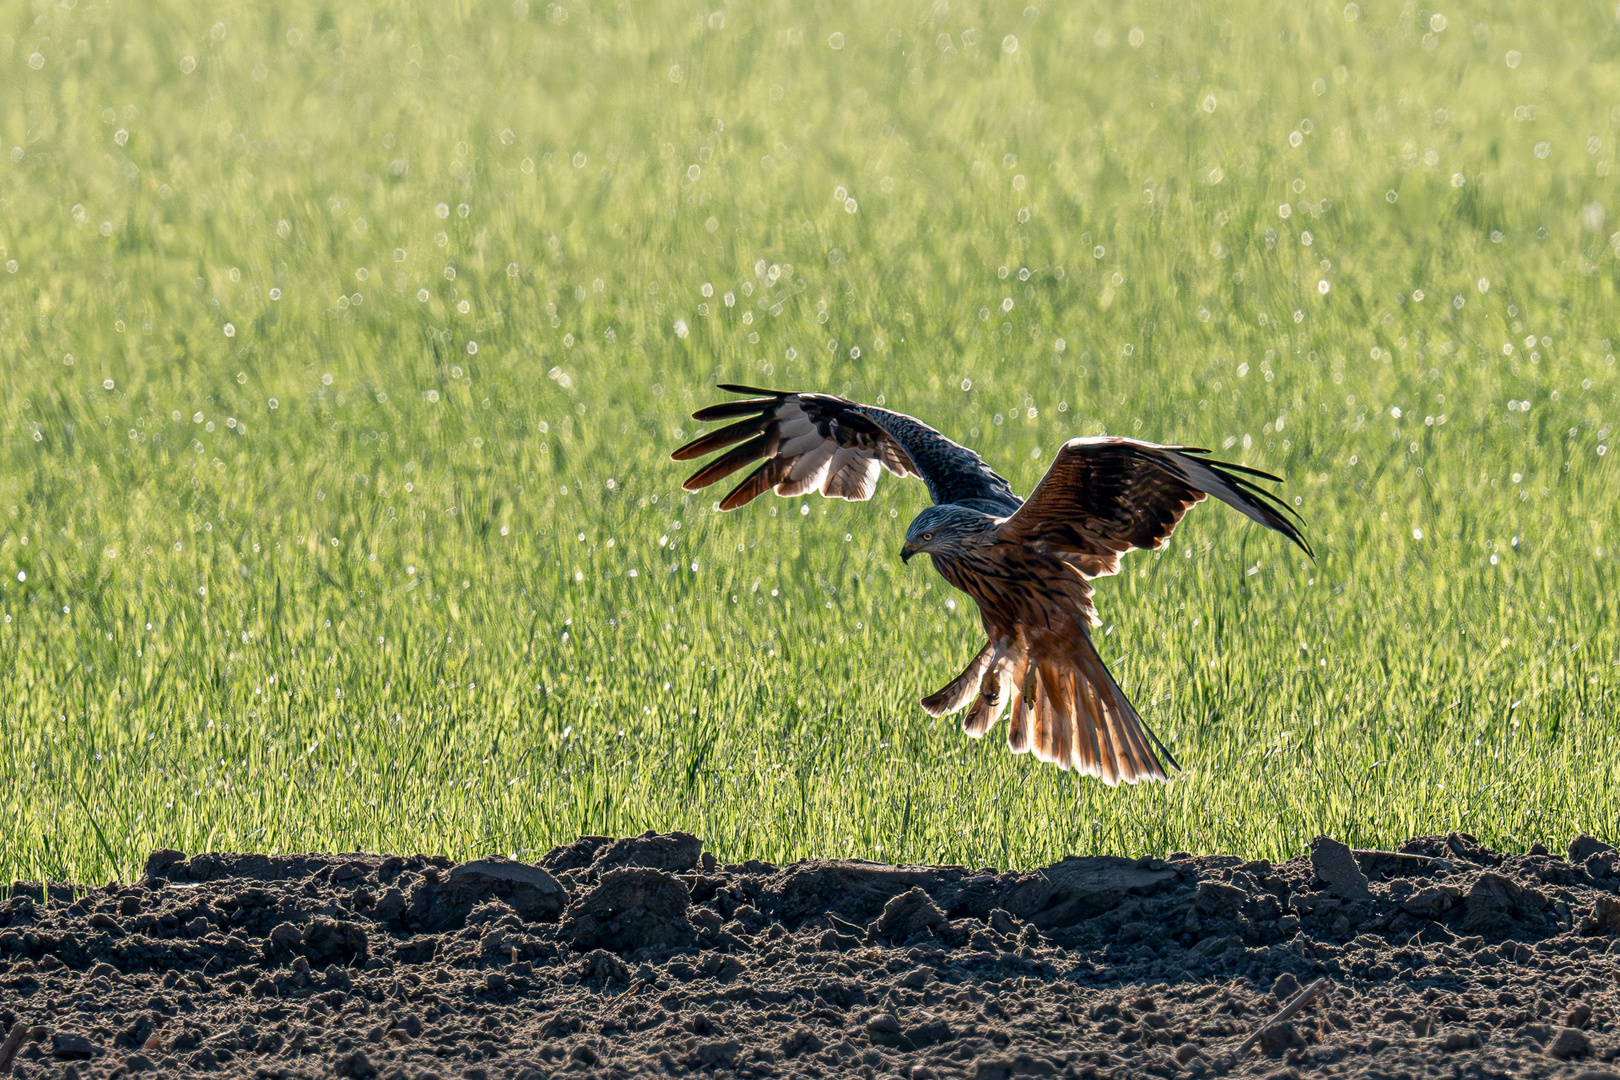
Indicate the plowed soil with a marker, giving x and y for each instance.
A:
(641, 956)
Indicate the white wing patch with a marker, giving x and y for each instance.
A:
(819, 463)
(851, 476)
(807, 443)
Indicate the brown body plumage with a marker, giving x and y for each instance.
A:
(1042, 668)
(1027, 565)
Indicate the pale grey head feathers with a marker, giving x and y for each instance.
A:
(938, 528)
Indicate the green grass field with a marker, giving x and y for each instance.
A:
(344, 347)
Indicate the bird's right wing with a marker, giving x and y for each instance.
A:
(820, 442)
(1103, 497)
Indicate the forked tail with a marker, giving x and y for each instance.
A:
(1066, 707)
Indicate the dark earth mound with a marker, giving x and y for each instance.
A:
(641, 956)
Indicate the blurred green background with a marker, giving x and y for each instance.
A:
(344, 347)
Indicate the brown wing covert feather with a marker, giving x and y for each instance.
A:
(1103, 497)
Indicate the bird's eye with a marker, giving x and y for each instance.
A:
(928, 536)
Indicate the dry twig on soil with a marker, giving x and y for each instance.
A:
(1294, 1006)
(8, 1049)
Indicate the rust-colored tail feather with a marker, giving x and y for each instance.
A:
(1065, 707)
(1104, 737)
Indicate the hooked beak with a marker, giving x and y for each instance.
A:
(907, 552)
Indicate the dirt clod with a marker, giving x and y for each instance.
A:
(1278, 1038)
(1604, 918)
(912, 912)
(528, 890)
(1584, 847)
(73, 1046)
(1285, 987)
(1336, 865)
(592, 964)
(1569, 1043)
(631, 908)
(675, 852)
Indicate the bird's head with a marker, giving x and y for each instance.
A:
(940, 528)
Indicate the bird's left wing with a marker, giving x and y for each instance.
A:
(821, 442)
(1102, 497)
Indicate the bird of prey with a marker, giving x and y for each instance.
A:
(1027, 564)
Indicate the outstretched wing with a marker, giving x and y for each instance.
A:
(820, 442)
(1103, 497)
